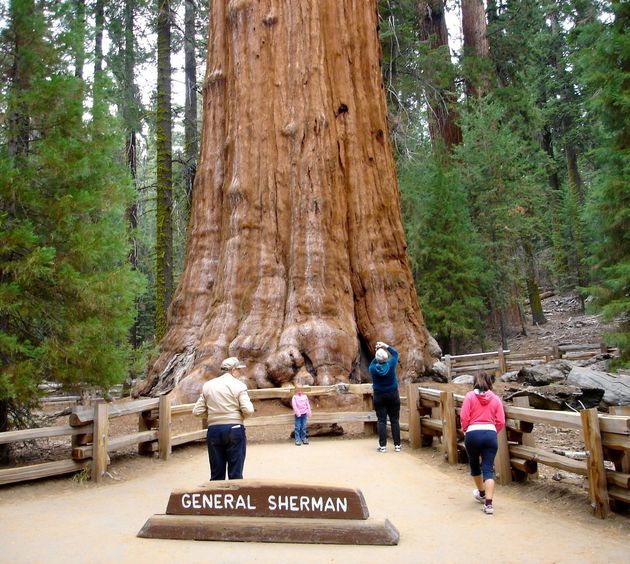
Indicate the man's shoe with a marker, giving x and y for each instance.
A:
(297, 443)
(480, 498)
(397, 448)
(488, 509)
(381, 449)
(305, 442)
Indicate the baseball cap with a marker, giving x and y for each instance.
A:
(231, 362)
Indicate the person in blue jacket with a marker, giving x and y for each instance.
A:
(385, 396)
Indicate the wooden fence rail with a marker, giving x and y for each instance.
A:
(431, 413)
(502, 361)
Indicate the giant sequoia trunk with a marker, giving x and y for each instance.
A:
(295, 257)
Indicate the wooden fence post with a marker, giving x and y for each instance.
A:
(369, 427)
(624, 463)
(99, 444)
(556, 351)
(502, 461)
(596, 472)
(414, 415)
(527, 438)
(502, 362)
(449, 367)
(164, 427)
(449, 426)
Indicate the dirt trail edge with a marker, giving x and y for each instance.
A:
(429, 503)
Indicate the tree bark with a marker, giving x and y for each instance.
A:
(295, 258)
(190, 106)
(441, 98)
(533, 291)
(164, 196)
(132, 125)
(79, 38)
(97, 91)
(476, 45)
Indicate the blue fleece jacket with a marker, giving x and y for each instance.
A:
(384, 374)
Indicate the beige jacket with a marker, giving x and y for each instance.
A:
(224, 400)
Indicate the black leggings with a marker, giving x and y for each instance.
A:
(387, 404)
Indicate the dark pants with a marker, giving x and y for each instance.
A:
(386, 405)
(226, 446)
(481, 446)
(300, 428)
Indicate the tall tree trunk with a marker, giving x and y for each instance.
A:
(533, 291)
(441, 97)
(555, 197)
(164, 224)
(131, 123)
(476, 47)
(79, 38)
(190, 107)
(99, 24)
(295, 259)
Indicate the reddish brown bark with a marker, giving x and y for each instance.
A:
(476, 44)
(441, 98)
(295, 258)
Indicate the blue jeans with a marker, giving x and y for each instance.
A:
(300, 428)
(481, 444)
(227, 445)
(387, 404)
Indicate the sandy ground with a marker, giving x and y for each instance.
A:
(428, 501)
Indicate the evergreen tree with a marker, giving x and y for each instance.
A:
(502, 174)
(443, 250)
(66, 289)
(605, 69)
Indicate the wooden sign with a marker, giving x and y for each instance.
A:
(261, 529)
(269, 499)
(254, 511)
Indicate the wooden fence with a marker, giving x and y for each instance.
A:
(502, 361)
(429, 413)
(606, 438)
(91, 442)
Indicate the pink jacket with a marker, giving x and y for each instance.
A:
(301, 405)
(482, 407)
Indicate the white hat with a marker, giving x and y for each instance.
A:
(231, 363)
(381, 355)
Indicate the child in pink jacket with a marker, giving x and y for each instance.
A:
(482, 418)
(301, 410)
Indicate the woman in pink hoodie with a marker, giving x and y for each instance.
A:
(482, 418)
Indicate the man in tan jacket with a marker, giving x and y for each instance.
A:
(225, 403)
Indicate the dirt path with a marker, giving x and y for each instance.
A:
(429, 502)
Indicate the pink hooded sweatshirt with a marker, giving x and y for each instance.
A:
(301, 405)
(482, 407)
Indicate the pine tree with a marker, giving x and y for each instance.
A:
(66, 289)
(503, 175)
(605, 69)
(444, 251)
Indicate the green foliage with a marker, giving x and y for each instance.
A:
(503, 175)
(605, 69)
(443, 250)
(66, 289)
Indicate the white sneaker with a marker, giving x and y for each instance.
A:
(480, 498)
(381, 449)
(397, 448)
(488, 509)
